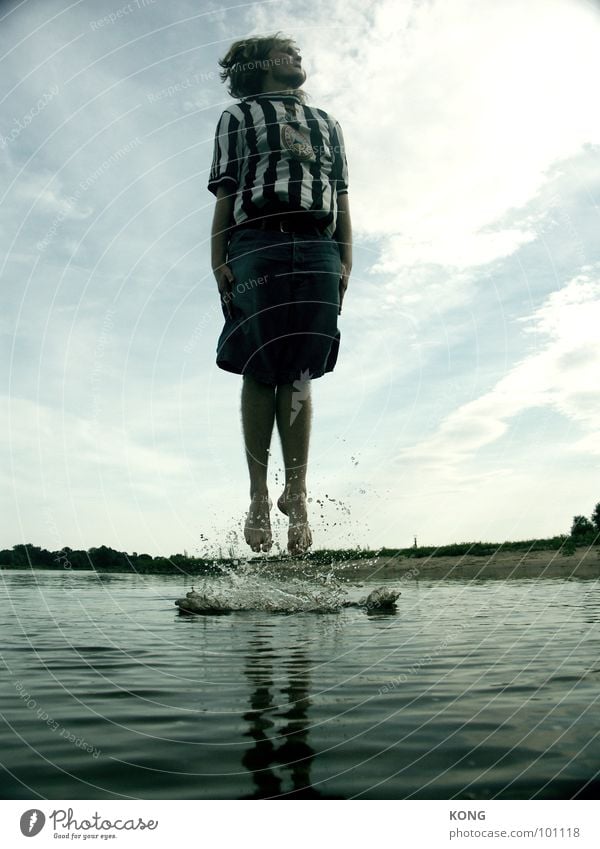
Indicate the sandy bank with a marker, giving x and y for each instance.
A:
(501, 565)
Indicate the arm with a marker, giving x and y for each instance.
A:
(219, 237)
(343, 236)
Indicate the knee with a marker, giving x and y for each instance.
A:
(251, 382)
(297, 386)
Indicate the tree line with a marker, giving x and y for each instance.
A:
(101, 559)
(584, 532)
(585, 529)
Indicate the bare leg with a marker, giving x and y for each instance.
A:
(258, 416)
(293, 407)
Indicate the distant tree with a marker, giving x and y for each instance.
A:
(45, 559)
(25, 555)
(596, 516)
(78, 559)
(107, 559)
(581, 526)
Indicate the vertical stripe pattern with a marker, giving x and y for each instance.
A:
(277, 162)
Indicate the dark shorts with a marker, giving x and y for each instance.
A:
(285, 303)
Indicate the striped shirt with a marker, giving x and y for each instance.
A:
(279, 155)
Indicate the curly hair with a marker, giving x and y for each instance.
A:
(246, 62)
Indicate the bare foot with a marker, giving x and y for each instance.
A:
(257, 530)
(293, 504)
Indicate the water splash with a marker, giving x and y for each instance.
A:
(248, 588)
(251, 587)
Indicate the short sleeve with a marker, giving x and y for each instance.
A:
(225, 166)
(340, 169)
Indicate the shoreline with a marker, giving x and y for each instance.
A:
(498, 565)
(501, 565)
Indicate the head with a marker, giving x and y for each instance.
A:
(260, 63)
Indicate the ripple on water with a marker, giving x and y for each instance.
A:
(470, 690)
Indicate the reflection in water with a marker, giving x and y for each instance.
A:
(288, 748)
(472, 691)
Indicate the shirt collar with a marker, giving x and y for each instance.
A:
(272, 95)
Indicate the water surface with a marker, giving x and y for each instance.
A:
(472, 690)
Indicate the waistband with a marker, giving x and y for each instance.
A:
(285, 222)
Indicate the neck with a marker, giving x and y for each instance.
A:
(275, 89)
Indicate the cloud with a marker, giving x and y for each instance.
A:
(35, 189)
(453, 113)
(79, 451)
(563, 376)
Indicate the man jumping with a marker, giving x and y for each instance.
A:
(281, 253)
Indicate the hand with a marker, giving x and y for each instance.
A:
(225, 280)
(346, 269)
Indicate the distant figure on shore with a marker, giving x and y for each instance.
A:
(281, 253)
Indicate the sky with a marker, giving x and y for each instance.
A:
(465, 404)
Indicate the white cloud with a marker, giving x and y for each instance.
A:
(452, 113)
(81, 449)
(563, 375)
(35, 190)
